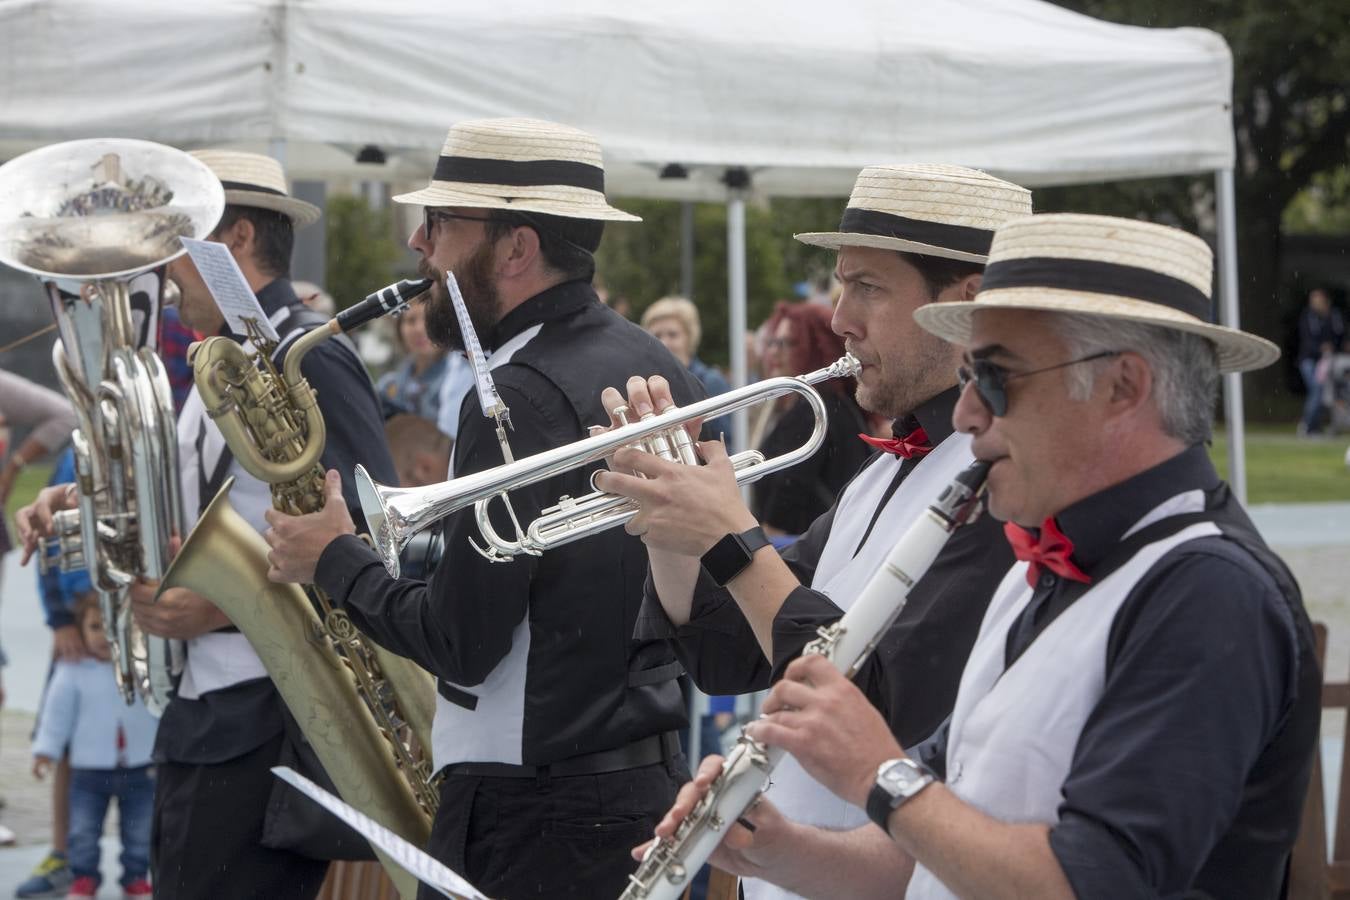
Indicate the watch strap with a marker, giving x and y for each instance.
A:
(881, 802)
(733, 554)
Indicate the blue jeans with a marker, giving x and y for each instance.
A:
(1312, 406)
(90, 792)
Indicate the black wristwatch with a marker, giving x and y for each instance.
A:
(733, 553)
(897, 781)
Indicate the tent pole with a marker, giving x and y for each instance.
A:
(736, 291)
(1226, 213)
(687, 250)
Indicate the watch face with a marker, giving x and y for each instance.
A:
(726, 558)
(900, 776)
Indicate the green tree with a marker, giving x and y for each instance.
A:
(642, 261)
(1291, 117)
(359, 247)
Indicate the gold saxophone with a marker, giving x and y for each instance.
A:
(366, 711)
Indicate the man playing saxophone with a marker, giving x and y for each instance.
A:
(217, 807)
(554, 731)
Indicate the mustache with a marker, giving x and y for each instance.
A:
(438, 290)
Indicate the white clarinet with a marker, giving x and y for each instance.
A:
(669, 864)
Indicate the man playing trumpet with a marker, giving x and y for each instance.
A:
(911, 236)
(555, 731)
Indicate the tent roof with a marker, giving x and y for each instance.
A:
(802, 96)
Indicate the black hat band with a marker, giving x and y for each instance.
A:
(520, 173)
(255, 188)
(1096, 277)
(948, 237)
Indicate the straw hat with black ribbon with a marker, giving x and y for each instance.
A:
(932, 210)
(525, 165)
(1107, 267)
(251, 179)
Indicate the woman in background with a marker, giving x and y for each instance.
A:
(788, 501)
(414, 386)
(674, 322)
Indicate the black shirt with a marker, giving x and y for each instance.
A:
(224, 724)
(1190, 771)
(587, 685)
(914, 673)
(792, 498)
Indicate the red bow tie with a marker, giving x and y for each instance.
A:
(906, 447)
(1051, 550)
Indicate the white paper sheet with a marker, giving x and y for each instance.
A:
(228, 286)
(424, 867)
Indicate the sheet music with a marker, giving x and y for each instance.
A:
(424, 867)
(228, 286)
(488, 398)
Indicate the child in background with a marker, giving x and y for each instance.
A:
(110, 745)
(58, 590)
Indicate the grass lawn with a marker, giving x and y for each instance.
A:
(1281, 468)
(31, 480)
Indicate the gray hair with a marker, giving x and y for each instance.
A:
(1185, 368)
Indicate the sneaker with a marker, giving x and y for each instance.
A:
(49, 878)
(83, 888)
(138, 888)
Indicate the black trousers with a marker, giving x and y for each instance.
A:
(208, 822)
(518, 838)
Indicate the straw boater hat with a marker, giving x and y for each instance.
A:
(251, 179)
(946, 211)
(520, 164)
(1101, 266)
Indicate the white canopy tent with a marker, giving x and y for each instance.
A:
(797, 96)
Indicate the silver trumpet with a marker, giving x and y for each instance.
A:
(96, 221)
(395, 514)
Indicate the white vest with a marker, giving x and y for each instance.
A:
(1013, 733)
(220, 659)
(841, 576)
(494, 730)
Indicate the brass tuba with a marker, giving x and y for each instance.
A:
(96, 221)
(366, 711)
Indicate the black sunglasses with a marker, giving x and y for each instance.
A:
(433, 217)
(991, 380)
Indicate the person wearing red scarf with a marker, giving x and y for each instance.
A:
(737, 613)
(1139, 713)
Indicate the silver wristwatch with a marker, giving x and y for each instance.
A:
(897, 781)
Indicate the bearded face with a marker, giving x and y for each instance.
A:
(481, 299)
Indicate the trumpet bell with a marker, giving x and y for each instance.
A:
(104, 208)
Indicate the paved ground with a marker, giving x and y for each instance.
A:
(1314, 540)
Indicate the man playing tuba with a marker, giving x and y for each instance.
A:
(217, 807)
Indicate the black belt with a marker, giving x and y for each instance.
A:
(645, 752)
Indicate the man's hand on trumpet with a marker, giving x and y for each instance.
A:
(34, 521)
(297, 542)
(684, 509)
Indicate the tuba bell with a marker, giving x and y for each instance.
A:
(96, 221)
